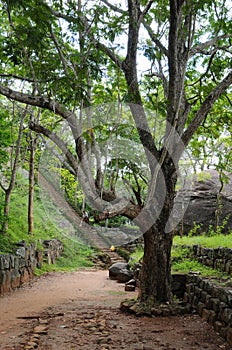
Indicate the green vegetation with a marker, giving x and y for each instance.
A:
(205, 241)
(136, 256)
(75, 254)
(61, 57)
(183, 263)
(181, 256)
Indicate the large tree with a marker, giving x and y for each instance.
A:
(72, 52)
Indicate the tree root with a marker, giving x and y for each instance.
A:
(141, 309)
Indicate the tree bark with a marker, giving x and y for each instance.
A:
(156, 268)
(10, 188)
(31, 185)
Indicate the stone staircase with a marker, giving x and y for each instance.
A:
(87, 233)
(114, 256)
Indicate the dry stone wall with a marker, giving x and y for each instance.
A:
(212, 302)
(18, 268)
(219, 258)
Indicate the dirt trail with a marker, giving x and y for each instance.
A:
(79, 310)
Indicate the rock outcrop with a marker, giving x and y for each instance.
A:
(207, 205)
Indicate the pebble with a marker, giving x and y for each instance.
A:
(32, 343)
(40, 330)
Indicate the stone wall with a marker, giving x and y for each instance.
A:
(212, 302)
(18, 268)
(52, 250)
(133, 245)
(219, 258)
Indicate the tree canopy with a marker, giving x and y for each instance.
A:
(165, 63)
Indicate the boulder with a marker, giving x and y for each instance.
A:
(120, 272)
(198, 204)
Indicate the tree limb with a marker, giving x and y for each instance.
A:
(113, 7)
(205, 108)
(125, 208)
(154, 39)
(200, 48)
(38, 101)
(109, 52)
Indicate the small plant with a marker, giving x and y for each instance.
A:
(123, 253)
(212, 231)
(179, 253)
(195, 230)
(136, 256)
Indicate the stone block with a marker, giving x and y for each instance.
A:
(228, 266)
(229, 335)
(15, 279)
(222, 306)
(203, 296)
(190, 287)
(22, 263)
(12, 261)
(212, 317)
(215, 304)
(226, 316)
(4, 261)
(2, 280)
(218, 326)
(186, 298)
(195, 301)
(208, 262)
(179, 284)
(208, 301)
(24, 276)
(223, 294)
(6, 287)
(16, 263)
(200, 308)
(229, 298)
(21, 252)
(198, 292)
(215, 291)
(205, 314)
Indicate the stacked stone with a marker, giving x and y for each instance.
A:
(219, 258)
(52, 250)
(212, 302)
(18, 268)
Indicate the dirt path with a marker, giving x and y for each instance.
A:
(79, 310)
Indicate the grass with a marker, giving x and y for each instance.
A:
(76, 255)
(182, 262)
(207, 242)
(136, 256)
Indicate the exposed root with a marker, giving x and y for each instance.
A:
(140, 309)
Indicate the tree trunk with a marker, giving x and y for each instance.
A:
(6, 212)
(156, 269)
(31, 185)
(10, 188)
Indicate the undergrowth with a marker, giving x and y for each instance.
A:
(213, 241)
(75, 255)
(182, 262)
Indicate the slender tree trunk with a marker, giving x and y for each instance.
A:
(31, 185)
(6, 212)
(10, 188)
